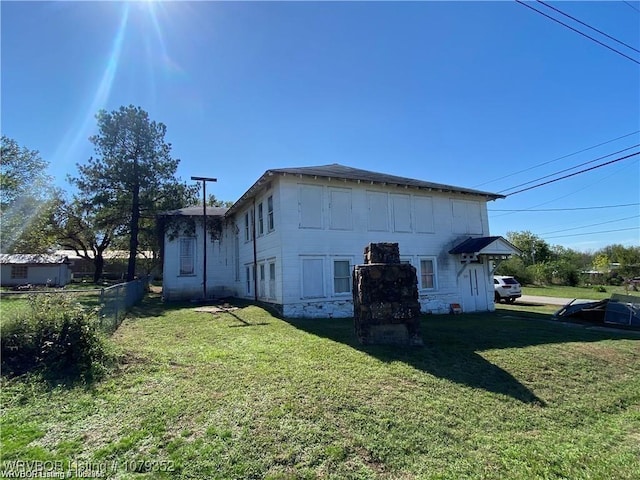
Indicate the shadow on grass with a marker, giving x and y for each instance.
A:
(153, 306)
(454, 345)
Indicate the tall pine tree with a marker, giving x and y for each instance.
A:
(132, 177)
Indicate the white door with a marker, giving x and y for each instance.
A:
(474, 289)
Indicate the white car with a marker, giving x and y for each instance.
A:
(506, 288)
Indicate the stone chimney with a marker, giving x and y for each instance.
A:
(386, 310)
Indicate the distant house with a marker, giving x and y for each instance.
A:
(115, 263)
(35, 269)
(294, 236)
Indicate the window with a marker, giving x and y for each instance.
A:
(401, 205)
(467, 217)
(378, 212)
(424, 214)
(427, 274)
(341, 276)
(270, 224)
(261, 291)
(340, 209)
(272, 280)
(187, 256)
(310, 202)
(236, 249)
(19, 271)
(312, 278)
(248, 279)
(260, 220)
(246, 227)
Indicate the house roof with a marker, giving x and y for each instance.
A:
(197, 211)
(344, 173)
(485, 245)
(32, 259)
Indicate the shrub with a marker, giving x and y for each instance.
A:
(600, 289)
(615, 280)
(56, 337)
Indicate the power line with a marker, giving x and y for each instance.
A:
(593, 233)
(570, 168)
(575, 173)
(591, 225)
(578, 31)
(585, 187)
(631, 5)
(588, 26)
(556, 159)
(563, 209)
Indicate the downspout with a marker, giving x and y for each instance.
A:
(255, 251)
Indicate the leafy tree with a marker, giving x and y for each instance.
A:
(79, 227)
(133, 176)
(601, 263)
(212, 201)
(26, 199)
(515, 267)
(628, 259)
(534, 249)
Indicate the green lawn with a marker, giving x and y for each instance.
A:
(12, 304)
(589, 293)
(248, 395)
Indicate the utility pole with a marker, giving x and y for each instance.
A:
(204, 181)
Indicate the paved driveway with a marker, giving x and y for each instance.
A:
(548, 300)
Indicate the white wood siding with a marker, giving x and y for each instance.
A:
(377, 214)
(220, 267)
(318, 222)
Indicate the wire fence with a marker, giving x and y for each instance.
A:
(112, 303)
(118, 299)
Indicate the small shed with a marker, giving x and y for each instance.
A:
(36, 269)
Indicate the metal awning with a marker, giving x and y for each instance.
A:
(495, 249)
(485, 246)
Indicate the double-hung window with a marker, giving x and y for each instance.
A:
(341, 276)
(247, 270)
(427, 274)
(262, 292)
(260, 219)
(187, 256)
(272, 280)
(270, 224)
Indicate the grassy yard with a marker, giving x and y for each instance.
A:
(588, 293)
(248, 395)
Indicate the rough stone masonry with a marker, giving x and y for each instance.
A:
(386, 310)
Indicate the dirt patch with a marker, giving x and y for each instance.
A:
(215, 309)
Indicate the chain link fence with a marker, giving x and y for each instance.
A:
(118, 299)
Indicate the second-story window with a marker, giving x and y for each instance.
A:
(270, 224)
(260, 219)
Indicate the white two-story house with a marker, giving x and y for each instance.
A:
(293, 238)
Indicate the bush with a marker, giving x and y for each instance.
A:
(514, 267)
(56, 337)
(615, 280)
(600, 289)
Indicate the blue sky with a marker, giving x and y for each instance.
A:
(473, 94)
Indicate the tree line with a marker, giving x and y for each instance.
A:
(541, 263)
